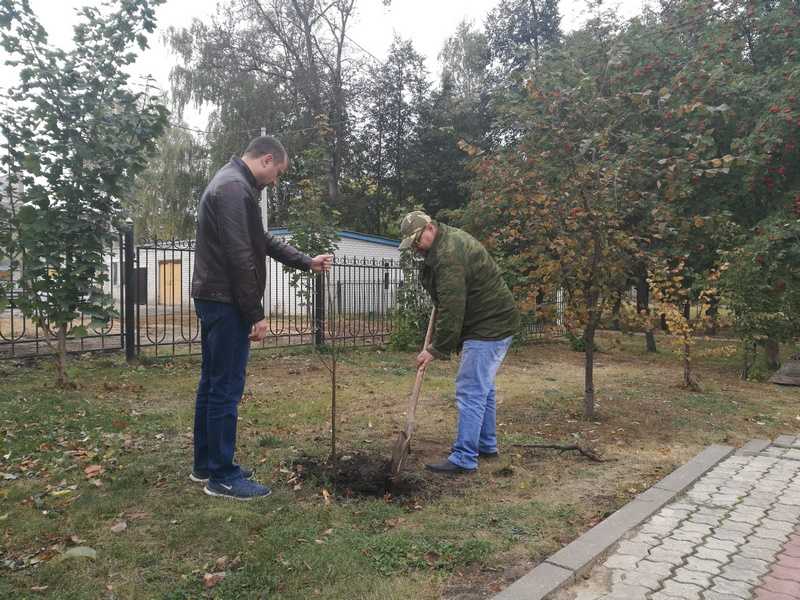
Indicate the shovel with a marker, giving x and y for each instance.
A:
(403, 443)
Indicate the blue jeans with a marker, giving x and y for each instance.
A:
(475, 397)
(226, 347)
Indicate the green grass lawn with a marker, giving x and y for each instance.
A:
(78, 464)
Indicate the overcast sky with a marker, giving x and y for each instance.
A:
(426, 22)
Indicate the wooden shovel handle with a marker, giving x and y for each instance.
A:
(412, 402)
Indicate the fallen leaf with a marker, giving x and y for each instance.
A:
(212, 579)
(119, 527)
(327, 532)
(93, 471)
(80, 552)
(220, 562)
(326, 497)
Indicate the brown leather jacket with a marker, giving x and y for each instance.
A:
(232, 246)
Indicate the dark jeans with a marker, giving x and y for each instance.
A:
(226, 347)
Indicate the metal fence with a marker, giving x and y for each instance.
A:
(21, 337)
(354, 304)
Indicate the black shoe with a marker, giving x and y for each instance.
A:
(488, 455)
(448, 468)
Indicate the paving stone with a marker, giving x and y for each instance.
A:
(627, 592)
(746, 575)
(639, 550)
(784, 572)
(762, 594)
(719, 556)
(672, 557)
(692, 537)
(756, 541)
(739, 526)
(709, 595)
(784, 441)
(782, 586)
(736, 588)
(785, 560)
(702, 565)
(685, 591)
(621, 561)
(663, 596)
(675, 545)
(724, 545)
(772, 534)
(705, 519)
(782, 526)
(658, 568)
(725, 534)
(638, 578)
(755, 552)
(685, 575)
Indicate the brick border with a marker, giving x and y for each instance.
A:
(569, 563)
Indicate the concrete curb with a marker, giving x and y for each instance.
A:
(569, 563)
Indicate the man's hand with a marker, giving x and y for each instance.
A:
(322, 262)
(259, 331)
(424, 358)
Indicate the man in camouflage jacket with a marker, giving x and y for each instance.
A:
(475, 315)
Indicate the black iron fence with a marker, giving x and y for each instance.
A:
(21, 337)
(356, 303)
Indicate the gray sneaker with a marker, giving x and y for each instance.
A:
(238, 489)
(199, 476)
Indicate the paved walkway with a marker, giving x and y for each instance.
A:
(734, 535)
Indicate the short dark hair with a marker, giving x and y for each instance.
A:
(266, 144)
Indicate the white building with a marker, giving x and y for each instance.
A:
(365, 279)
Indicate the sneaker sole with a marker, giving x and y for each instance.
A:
(196, 479)
(229, 497)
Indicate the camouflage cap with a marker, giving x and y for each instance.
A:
(411, 225)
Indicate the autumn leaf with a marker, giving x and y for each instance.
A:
(212, 579)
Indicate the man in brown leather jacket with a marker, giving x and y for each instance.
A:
(228, 288)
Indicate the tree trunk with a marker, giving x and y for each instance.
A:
(688, 380)
(772, 351)
(333, 402)
(748, 358)
(643, 307)
(61, 356)
(615, 310)
(588, 394)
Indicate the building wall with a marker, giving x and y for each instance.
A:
(362, 284)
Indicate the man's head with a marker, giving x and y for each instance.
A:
(266, 158)
(418, 232)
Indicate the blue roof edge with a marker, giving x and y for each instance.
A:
(349, 235)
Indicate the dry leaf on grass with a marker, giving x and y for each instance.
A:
(212, 579)
(119, 527)
(93, 471)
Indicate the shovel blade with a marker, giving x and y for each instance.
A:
(399, 453)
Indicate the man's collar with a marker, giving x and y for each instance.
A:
(242, 166)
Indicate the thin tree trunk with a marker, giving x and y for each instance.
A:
(333, 402)
(772, 350)
(588, 393)
(61, 356)
(688, 380)
(643, 307)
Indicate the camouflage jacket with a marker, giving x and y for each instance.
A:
(472, 300)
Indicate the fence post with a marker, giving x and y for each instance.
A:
(319, 309)
(129, 284)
